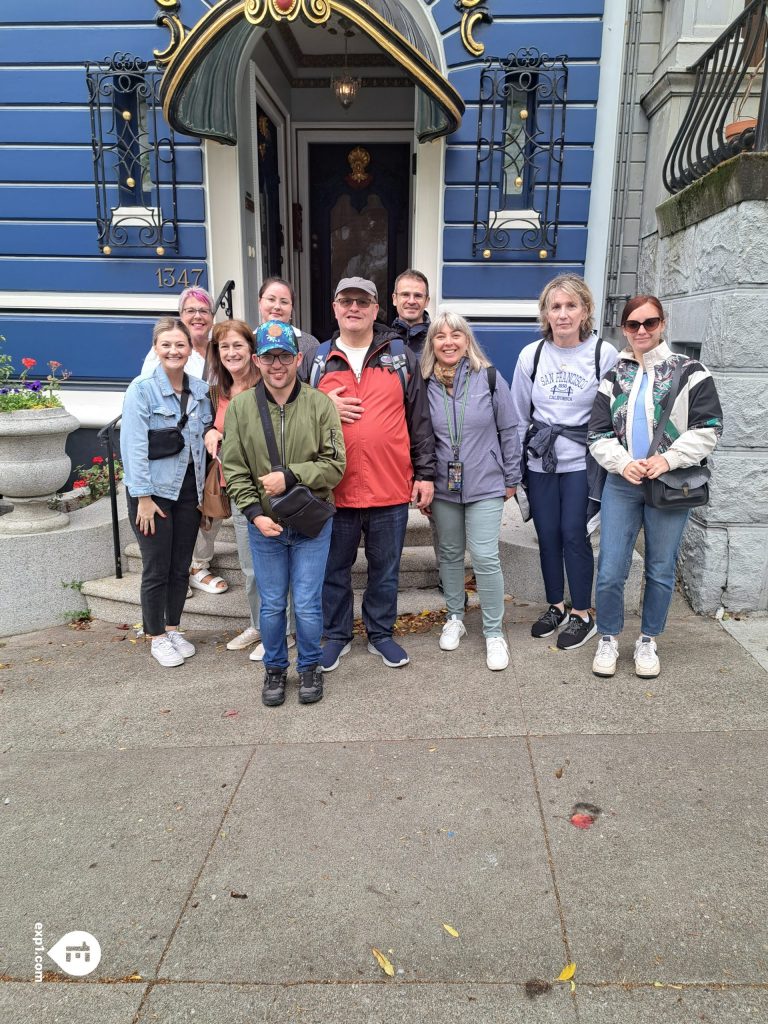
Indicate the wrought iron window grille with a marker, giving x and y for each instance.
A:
(520, 140)
(134, 160)
(712, 129)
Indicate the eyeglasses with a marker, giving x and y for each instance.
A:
(190, 311)
(419, 296)
(277, 356)
(633, 326)
(345, 303)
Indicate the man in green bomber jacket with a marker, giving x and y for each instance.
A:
(311, 447)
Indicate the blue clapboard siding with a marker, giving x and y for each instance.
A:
(75, 164)
(76, 12)
(501, 281)
(90, 347)
(458, 208)
(59, 125)
(78, 202)
(581, 41)
(583, 80)
(65, 44)
(503, 342)
(58, 239)
(113, 274)
(571, 246)
(579, 125)
(461, 164)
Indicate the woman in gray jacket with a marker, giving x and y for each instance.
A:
(477, 449)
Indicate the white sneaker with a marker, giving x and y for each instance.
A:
(164, 652)
(244, 640)
(453, 631)
(184, 647)
(258, 653)
(647, 664)
(606, 656)
(496, 653)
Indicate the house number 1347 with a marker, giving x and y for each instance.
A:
(170, 277)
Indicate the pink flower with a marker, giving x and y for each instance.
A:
(29, 363)
(54, 365)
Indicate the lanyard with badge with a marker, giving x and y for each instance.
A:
(456, 467)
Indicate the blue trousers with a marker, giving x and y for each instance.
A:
(559, 508)
(290, 561)
(383, 529)
(622, 513)
(475, 525)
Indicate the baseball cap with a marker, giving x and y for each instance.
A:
(346, 283)
(275, 334)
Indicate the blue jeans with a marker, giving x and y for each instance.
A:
(477, 526)
(384, 531)
(559, 508)
(622, 513)
(290, 561)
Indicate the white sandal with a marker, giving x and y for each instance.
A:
(196, 581)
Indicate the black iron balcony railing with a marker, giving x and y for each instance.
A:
(714, 127)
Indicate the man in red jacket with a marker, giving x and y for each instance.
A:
(382, 401)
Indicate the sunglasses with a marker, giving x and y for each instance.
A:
(270, 358)
(361, 303)
(633, 326)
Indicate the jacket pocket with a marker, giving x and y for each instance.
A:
(161, 418)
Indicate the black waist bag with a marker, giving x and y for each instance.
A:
(298, 508)
(167, 441)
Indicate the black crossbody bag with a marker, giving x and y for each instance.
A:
(167, 441)
(298, 508)
(678, 488)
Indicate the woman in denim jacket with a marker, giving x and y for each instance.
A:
(164, 494)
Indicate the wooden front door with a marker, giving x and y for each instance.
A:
(359, 222)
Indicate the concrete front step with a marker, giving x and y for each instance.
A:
(114, 600)
(417, 565)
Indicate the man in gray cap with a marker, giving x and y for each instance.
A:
(381, 397)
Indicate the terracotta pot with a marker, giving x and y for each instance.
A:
(33, 467)
(735, 128)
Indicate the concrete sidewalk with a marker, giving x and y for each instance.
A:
(237, 864)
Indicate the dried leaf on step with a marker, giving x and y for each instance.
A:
(383, 963)
(451, 930)
(567, 973)
(573, 986)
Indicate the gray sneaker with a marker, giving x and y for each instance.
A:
(273, 690)
(311, 685)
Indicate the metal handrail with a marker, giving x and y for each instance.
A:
(107, 437)
(224, 301)
(700, 143)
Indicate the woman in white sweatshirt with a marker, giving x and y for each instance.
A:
(553, 389)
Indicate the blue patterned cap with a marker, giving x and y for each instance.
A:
(276, 334)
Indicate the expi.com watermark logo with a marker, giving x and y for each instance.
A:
(76, 953)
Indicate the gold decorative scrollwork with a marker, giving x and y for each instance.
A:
(315, 11)
(474, 12)
(167, 18)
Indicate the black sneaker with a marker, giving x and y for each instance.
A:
(311, 685)
(273, 691)
(576, 633)
(548, 623)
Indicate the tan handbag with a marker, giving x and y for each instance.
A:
(215, 503)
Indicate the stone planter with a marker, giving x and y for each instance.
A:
(33, 467)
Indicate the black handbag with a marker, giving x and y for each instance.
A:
(168, 441)
(679, 488)
(298, 508)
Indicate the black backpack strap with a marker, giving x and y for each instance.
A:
(318, 363)
(536, 358)
(399, 362)
(260, 394)
(183, 402)
(491, 371)
(598, 349)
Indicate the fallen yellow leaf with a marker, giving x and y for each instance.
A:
(658, 984)
(451, 930)
(567, 973)
(573, 986)
(135, 977)
(383, 963)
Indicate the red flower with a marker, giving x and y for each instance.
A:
(29, 363)
(54, 365)
(79, 483)
(97, 459)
